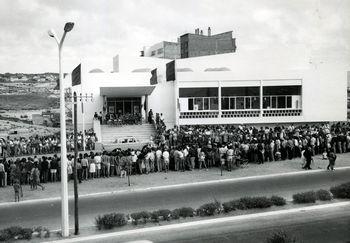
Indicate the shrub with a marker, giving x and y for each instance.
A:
(305, 197)
(14, 233)
(230, 206)
(278, 201)
(323, 195)
(109, 221)
(186, 212)
(341, 191)
(41, 232)
(255, 202)
(209, 209)
(137, 217)
(165, 214)
(280, 237)
(175, 214)
(155, 216)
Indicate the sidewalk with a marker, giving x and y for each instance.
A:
(172, 178)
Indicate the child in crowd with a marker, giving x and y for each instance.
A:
(18, 190)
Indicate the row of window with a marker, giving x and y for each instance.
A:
(159, 51)
(240, 103)
(278, 102)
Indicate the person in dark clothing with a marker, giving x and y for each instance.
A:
(150, 116)
(308, 158)
(331, 157)
(44, 169)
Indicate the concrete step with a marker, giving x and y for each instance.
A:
(141, 132)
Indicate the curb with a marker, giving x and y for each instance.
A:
(205, 222)
(134, 190)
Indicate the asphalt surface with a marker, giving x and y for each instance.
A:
(44, 213)
(317, 226)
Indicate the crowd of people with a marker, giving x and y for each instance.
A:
(46, 144)
(187, 148)
(118, 119)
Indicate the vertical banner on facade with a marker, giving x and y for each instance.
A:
(153, 79)
(76, 75)
(170, 71)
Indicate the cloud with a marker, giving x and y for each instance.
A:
(104, 28)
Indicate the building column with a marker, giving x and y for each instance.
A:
(176, 100)
(261, 98)
(219, 98)
(143, 111)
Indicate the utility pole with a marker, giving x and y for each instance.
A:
(76, 208)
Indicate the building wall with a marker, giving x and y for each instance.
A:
(171, 50)
(324, 86)
(164, 49)
(162, 100)
(194, 45)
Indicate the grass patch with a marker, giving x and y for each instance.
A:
(28, 102)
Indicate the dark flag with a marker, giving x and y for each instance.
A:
(76, 75)
(153, 79)
(170, 71)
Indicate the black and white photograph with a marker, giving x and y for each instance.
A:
(188, 121)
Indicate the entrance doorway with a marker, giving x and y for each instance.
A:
(124, 105)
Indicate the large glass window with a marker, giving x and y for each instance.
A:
(206, 103)
(274, 102)
(282, 90)
(232, 103)
(225, 103)
(247, 102)
(198, 92)
(240, 91)
(239, 103)
(289, 101)
(281, 101)
(266, 102)
(190, 104)
(255, 102)
(199, 103)
(214, 104)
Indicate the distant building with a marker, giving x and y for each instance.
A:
(164, 49)
(198, 44)
(193, 45)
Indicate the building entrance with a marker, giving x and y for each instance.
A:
(124, 105)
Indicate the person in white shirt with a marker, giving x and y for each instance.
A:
(166, 160)
(159, 160)
(98, 161)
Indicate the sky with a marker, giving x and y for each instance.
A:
(104, 28)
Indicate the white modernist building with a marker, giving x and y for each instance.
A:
(243, 87)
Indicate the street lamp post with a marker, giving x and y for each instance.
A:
(64, 182)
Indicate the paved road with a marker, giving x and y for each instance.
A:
(318, 226)
(48, 213)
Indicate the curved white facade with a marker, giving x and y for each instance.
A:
(321, 89)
